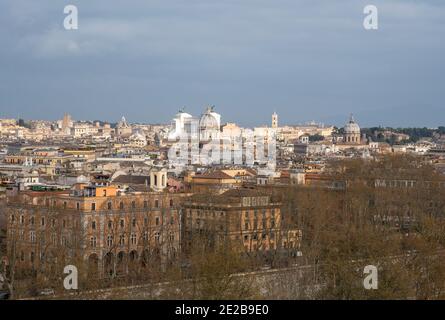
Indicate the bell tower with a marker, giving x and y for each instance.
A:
(274, 120)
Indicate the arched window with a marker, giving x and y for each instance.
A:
(93, 225)
(133, 239)
(93, 241)
(32, 236)
(122, 240)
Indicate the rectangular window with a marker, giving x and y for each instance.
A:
(93, 206)
(110, 241)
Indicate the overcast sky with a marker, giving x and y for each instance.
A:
(304, 59)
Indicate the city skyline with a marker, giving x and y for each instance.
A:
(306, 60)
(281, 122)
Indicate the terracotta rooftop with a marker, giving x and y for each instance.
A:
(213, 175)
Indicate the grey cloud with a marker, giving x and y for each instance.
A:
(307, 59)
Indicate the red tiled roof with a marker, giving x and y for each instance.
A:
(213, 175)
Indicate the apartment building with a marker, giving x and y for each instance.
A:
(249, 219)
(105, 230)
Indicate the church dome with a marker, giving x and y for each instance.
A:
(208, 121)
(352, 127)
